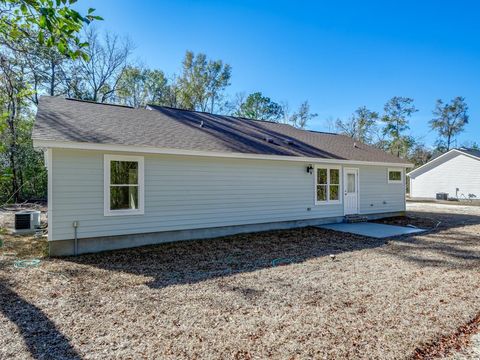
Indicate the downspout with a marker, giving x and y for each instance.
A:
(75, 245)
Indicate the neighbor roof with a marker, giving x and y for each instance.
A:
(472, 152)
(67, 120)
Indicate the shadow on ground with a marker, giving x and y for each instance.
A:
(41, 336)
(195, 261)
(448, 244)
(448, 249)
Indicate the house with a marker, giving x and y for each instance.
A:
(456, 173)
(122, 177)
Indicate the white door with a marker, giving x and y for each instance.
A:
(350, 190)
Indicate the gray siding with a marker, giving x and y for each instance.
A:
(376, 194)
(184, 192)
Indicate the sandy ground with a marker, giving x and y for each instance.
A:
(443, 208)
(473, 350)
(273, 295)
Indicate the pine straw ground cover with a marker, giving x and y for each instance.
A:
(267, 295)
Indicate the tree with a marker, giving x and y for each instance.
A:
(361, 125)
(51, 23)
(96, 78)
(449, 120)
(471, 145)
(299, 118)
(420, 155)
(256, 106)
(48, 71)
(232, 105)
(202, 82)
(14, 110)
(139, 87)
(36, 39)
(259, 107)
(397, 112)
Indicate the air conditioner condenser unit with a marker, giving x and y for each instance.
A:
(27, 220)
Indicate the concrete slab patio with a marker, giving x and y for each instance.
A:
(374, 230)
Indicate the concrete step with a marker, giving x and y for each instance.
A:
(350, 219)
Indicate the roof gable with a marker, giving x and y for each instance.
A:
(65, 120)
(449, 155)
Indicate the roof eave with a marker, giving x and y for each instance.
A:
(43, 143)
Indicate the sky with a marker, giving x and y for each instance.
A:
(338, 55)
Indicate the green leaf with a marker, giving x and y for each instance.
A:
(61, 47)
(24, 9)
(42, 21)
(94, 17)
(85, 56)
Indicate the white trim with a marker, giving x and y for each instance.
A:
(395, 170)
(357, 184)
(49, 164)
(107, 158)
(167, 151)
(405, 192)
(340, 187)
(413, 172)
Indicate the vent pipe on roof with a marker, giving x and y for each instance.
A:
(201, 123)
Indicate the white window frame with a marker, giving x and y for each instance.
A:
(106, 185)
(389, 170)
(340, 186)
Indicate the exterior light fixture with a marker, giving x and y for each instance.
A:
(310, 169)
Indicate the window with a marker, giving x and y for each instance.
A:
(351, 183)
(123, 187)
(327, 185)
(395, 176)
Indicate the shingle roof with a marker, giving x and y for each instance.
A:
(472, 152)
(68, 120)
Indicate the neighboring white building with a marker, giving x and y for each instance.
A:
(122, 177)
(457, 173)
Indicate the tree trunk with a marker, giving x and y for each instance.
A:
(13, 154)
(15, 187)
(52, 79)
